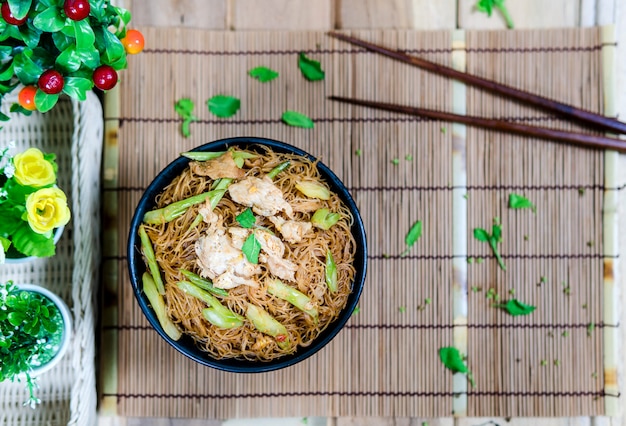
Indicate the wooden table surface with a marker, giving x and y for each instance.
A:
(242, 15)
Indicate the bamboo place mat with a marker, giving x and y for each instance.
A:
(385, 362)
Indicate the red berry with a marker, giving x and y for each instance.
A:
(105, 77)
(7, 15)
(76, 10)
(51, 82)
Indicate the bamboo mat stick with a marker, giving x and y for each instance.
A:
(610, 227)
(459, 219)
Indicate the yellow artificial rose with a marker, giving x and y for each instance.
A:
(32, 169)
(47, 209)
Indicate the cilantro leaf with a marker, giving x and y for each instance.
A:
(251, 249)
(412, 236)
(492, 239)
(246, 218)
(296, 119)
(223, 106)
(518, 202)
(516, 308)
(184, 107)
(452, 360)
(263, 74)
(311, 69)
(487, 7)
(481, 235)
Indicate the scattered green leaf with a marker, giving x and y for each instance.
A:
(297, 119)
(590, 328)
(358, 152)
(487, 7)
(427, 301)
(263, 74)
(223, 106)
(356, 310)
(565, 333)
(184, 107)
(408, 157)
(544, 362)
(479, 260)
(444, 130)
(466, 196)
(470, 260)
(402, 309)
(516, 308)
(412, 236)
(557, 362)
(311, 69)
(581, 191)
(476, 289)
(518, 202)
(492, 239)
(395, 161)
(453, 361)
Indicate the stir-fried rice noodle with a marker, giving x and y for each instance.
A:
(175, 249)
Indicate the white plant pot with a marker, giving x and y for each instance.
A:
(67, 326)
(57, 236)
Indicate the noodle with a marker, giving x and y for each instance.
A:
(174, 247)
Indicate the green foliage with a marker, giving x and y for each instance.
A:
(49, 39)
(30, 333)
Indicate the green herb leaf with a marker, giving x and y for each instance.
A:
(414, 234)
(223, 106)
(251, 249)
(263, 74)
(296, 119)
(487, 6)
(311, 69)
(481, 235)
(184, 107)
(453, 361)
(246, 218)
(356, 310)
(516, 308)
(518, 202)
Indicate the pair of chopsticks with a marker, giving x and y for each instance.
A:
(588, 118)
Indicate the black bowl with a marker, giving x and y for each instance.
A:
(185, 344)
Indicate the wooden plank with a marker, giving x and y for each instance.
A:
(525, 14)
(282, 15)
(207, 14)
(422, 14)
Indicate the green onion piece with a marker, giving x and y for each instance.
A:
(280, 168)
(331, 272)
(313, 190)
(204, 284)
(227, 316)
(148, 252)
(178, 208)
(265, 323)
(158, 304)
(221, 321)
(324, 219)
(286, 292)
(195, 222)
(206, 156)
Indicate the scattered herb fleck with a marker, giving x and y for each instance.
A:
(444, 130)
(516, 308)
(476, 289)
(526, 238)
(402, 309)
(565, 333)
(544, 362)
(491, 294)
(512, 291)
(427, 301)
(356, 310)
(492, 239)
(395, 161)
(310, 68)
(263, 74)
(542, 279)
(386, 256)
(516, 201)
(590, 328)
(594, 375)
(581, 191)
(590, 243)
(466, 196)
(470, 260)
(304, 421)
(223, 106)
(452, 360)
(487, 7)
(184, 107)
(557, 362)
(584, 306)
(550, 334)
(297, 119)
(408, 157)
(479, 260)
(412, 236)
(358, 152)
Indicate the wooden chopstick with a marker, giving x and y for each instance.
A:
(582, 116)
(579, 139)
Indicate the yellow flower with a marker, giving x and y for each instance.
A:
(47, 209)
(32, 169)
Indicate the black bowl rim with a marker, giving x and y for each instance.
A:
(235, 365)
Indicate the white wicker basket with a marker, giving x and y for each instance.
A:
(73, 130)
